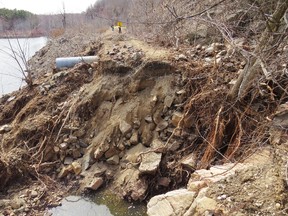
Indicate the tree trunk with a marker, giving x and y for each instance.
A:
(253, 65)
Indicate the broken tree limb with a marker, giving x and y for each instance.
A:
(253, 66)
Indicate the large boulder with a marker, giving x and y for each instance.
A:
(173, 203)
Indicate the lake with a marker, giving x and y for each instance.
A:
(10, 72)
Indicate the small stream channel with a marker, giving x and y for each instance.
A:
(101, 204)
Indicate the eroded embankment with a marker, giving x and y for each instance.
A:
(139, 121)
(76, 120)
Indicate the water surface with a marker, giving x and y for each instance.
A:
(75, 206)
(10, 72)
(101, 204)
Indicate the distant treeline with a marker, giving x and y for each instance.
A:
(17, 20)
(14, 14)
(11, 18)
(102, 13)
(21, 23)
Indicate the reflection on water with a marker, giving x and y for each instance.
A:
(75, 206)
(101, 204)
(117, 206)
(10, 73)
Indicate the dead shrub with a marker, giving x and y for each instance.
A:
(55, 33)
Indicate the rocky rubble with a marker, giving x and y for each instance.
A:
(27, 201)
(96, 113)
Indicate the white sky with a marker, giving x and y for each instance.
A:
(47, 6)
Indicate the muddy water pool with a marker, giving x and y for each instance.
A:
(101, 204)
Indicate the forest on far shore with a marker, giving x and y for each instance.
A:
(24, 23)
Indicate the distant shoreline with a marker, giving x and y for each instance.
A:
(6, 35)
(21, 36)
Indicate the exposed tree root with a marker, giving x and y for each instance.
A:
(235, 141)
(214, 140)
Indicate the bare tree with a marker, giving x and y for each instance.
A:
(63, 14)
(19, 55)
(266, 42)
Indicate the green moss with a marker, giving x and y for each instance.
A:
(117, 206)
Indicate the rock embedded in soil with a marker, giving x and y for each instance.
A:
(4, 203)
(173, 146)
(33, 193)
(111, 152)
(150, 162)
(87, 160)
(71, 139)
(168, 101)
(146, 136)
(157, 116)
(83, 144)
(97, 169)
(162, 125)
(63, 146)
(134, 138)
(196, 185)
(133, 153)
(181, 57)
(125, 127)
(65, 171)
(190, 162)
(68, 160)
(5, 128)
(136, 124)
(98, 153)
(76, 153)
(157, 144)
(181, 92)
(16, 203)
(209, 50)
(136, 56)
(93, 177)
(95, 183)
(176, 117)
(113, 160)
(149, 119)
(76, 167)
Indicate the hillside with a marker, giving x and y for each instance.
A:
(189, 125)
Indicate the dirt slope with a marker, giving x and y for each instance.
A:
(73, 111)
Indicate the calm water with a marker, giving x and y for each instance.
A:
(101, 204)
(10, 73)
(75, 206)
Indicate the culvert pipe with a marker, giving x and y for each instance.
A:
(71, 61)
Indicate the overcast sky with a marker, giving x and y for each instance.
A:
(47, 6)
